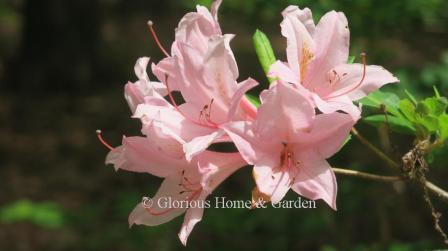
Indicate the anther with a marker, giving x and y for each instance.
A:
(100, 138)
(156, 38)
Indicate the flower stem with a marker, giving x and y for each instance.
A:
(368, 176)
(375, 149)
(439, 192)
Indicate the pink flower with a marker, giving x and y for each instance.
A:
(288, 145)
(317, 62)
(203, 69)
(184, 182)
(137, 91)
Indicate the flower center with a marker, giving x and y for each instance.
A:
(288, 158)
(336, 79)
(305, 59)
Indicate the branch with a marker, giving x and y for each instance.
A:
(439, 192)
(442, 194)
(375, 149)
(366, 175)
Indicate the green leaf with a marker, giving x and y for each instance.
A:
(396, 124)
(411, 97)
(351, 59)
(264, 51)
(253, 99)
(379, 98)
(349, 137)
(408, 109)
(432, 106)
(443, 127)
(431, 123)
(436, 91)
(427, 114)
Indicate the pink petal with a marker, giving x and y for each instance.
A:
(196, 28)
(216, 167)
(138, 154)
(193, 216)
(326, 135)
(375, 77)
(298, 37)
(342, 103)
(133, 96)
(160, 211)
(237, 100)
(171, 122)
(135, 93)
(167, 68)
(251, 147)
(284, 112)
(304, 16)
(212, 77)
(214, 9)
(200, 144)
(332, 38)
(281, 71)
(315, 179)
(272, 181)
(140, 68)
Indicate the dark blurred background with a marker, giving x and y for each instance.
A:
(63, 65)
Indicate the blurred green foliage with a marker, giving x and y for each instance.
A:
(43, 214)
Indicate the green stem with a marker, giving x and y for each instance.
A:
(375, 149)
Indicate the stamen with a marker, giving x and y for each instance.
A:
(213, 126)
(363, 57)
(208, 115)
(154, 35)
(100, 138)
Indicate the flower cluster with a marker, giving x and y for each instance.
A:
(304, 116)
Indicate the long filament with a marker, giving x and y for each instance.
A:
(100, 138)
(182, 113)
(156, 38)
(363, 57)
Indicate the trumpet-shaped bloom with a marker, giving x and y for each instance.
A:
(317, 62)
(203, 69)
(288, 145)
(184, 184)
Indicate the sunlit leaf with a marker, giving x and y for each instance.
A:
(351, 59)
(253, 99)
(431, 123)
(264, 51)
(443, 127)
(400, 125)
(408, 109)
(436, 91)
(379, 98)
(410, 96)
(432, 106)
